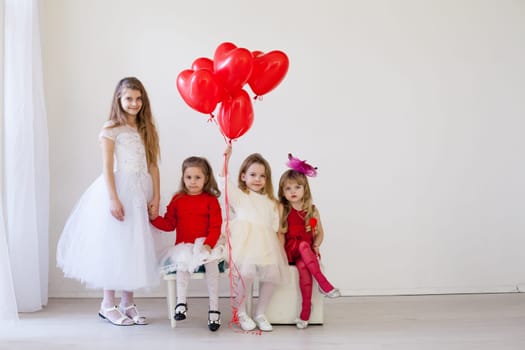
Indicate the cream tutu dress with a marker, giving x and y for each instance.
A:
(255, 248)
(96, 248)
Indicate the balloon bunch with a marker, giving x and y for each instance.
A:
(221, 80)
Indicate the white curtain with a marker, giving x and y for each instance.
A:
(8, 310)
(26, 158)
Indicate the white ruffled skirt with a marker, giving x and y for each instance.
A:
(102, 252)
(190, 256)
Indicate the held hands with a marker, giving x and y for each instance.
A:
(116, 208)
(153, 209)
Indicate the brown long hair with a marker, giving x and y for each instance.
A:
(145, 122)
(268, 185)
(295, 176)
(210, 185)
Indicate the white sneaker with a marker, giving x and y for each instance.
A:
(334, 293)
(263, 323)
(246, 322)
(301, 324)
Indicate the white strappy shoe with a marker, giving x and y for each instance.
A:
(119, 319)
(132, 312)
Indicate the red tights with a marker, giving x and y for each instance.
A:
(308, 267)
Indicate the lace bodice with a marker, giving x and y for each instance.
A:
(130, 155)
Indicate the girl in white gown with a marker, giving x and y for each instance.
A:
(107, 241)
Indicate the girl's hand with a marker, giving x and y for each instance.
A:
(151, 215)
(316, 250)
(153, 209)
(228, 152)
(207, 247)
(117, 210)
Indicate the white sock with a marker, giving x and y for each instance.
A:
(212, 282)
(243, 293)
(183, 279)
(109, 299)
(265, 295)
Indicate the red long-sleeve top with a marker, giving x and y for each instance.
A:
(193, 216)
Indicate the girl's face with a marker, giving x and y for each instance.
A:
(131, 101)
(255, 177)
(194, 180)
(293, 192)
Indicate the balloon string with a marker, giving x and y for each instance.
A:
(211, 118)
(234, 275)
(227, 140)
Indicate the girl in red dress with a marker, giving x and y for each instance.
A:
(302, 233)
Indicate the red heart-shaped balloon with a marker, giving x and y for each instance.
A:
(235, 116)
(200, 89)
(232, 66)
(202, 63)
(268, 71)
(222, 49)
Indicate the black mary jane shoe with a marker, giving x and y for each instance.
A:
(215, 324)
(180, 311)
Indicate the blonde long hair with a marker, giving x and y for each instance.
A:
(145, 122)
(256, 158)
(295, 176)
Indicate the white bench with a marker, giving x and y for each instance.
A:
(285, 306)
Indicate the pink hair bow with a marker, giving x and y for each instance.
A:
(301, 166)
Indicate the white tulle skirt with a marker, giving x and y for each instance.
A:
(189, 256)
(105, 253)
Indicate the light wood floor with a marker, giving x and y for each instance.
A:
(485, 321)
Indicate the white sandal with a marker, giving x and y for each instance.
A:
(137, 319)
(121, 321)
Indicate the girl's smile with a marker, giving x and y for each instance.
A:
(255, 177)
(131, 101)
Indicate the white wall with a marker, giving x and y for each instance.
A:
(2, 99)
(412, 110)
